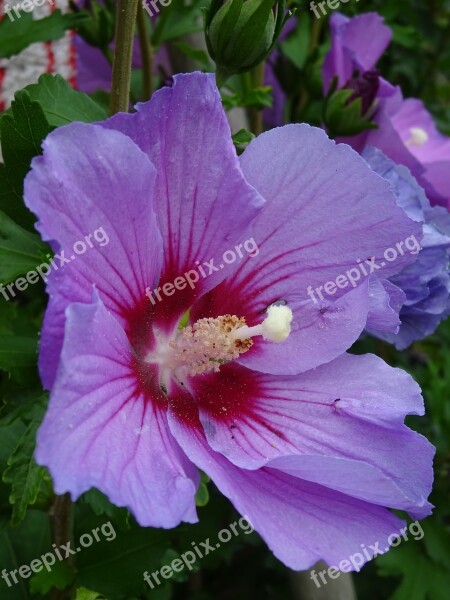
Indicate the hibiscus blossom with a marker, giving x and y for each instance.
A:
(356, 46)
(408, 135)
(405, 131)
(257, 391)
(57, 56)
(426, 282)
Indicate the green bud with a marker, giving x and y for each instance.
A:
(344, 115)
(241, 33)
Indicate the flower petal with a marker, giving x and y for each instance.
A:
(203, 203)
(301, 248)
(386, 300)
(91, 179)
(342, 415)
(101, 430)
(356, 43)
(301, 522)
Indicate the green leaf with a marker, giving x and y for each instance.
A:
(22, 130)
(100, 505)
(60, 577)
(24, 475)
(422, 579)
(202, 495)
(295, 46)
(62, 104)
(20, 546)
(176, 21)
(16, 351)
(406, 36)
(437, 541)
(242, 138)
(196, 54)
(98, 28)
(21, 406)
(115, 568)
(84, 594)
(20, 251)
(17, 33)
(260, 97)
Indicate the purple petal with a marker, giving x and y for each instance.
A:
(336, 421)
(90, 179)
(301, 248)
(101, 431)
(301, 522)
(356, 44)
(425, 284)
(434, 154)
(386, 300)
(428, 160)
(204, 205)
(94, 72)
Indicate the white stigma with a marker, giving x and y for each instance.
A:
(276, 327)
(419, 137)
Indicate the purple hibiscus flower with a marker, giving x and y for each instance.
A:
(408, 135)
(406, 131)
(258, 391)
(426, 282)
(356, 46)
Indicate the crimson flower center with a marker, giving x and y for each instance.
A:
(208, 343)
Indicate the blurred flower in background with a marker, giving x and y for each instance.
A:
(408, 135)
(425, 283)
(85, 66)
(58, 56)
(403, 128)
(356, 46)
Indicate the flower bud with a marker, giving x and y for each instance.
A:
(241, 33)
(348, 111)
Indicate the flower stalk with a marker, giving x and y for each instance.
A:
(61, 526)
(123, 55)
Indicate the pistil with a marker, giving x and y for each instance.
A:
(207, 344)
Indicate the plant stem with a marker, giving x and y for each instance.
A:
(255, 114)
(146, 53)
(222, 75)
(61, 526)
(123, 55)
(316, 31)
(303, 588)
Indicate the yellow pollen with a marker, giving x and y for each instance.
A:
(208, 343)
